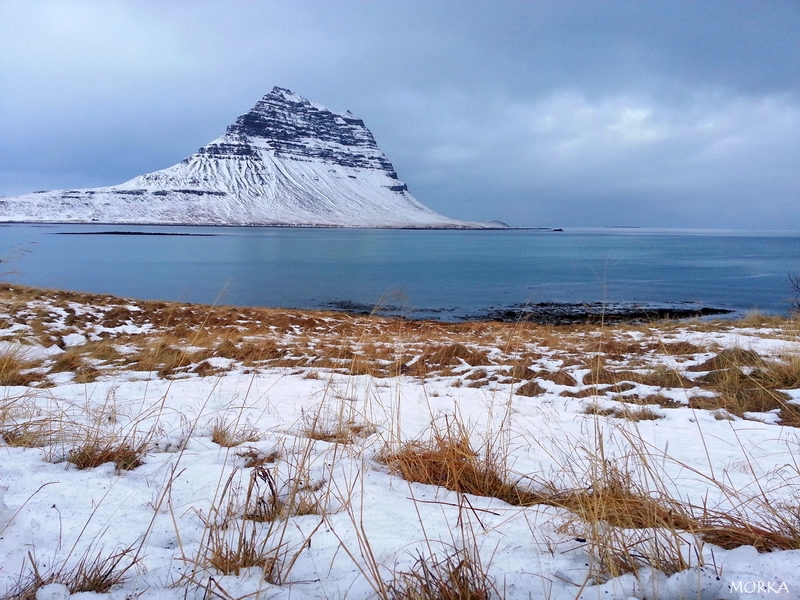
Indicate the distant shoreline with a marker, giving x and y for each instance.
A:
(277, 226)
(133, 233)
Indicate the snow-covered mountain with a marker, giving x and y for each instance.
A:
(288, 161)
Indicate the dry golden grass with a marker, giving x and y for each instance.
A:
(206, 369)
(93, 573)
(622, 524)
(476, 375)
(557, 377)
(625, 412)
(662, 377)
(781, 374)
(92, 453)
(626, 524)
(759, 320)
(229, 433)
(256, 458)
(448, 460)
(249, 353)
(679, 348)
(657, 377)
(591, 391)
(34, 433)
(458, 575)
(440, 358)
(772, 528)
(268, 501)
(338, 426)
(738, 392)
(15, 369)
(102, 350)
(728, 359)
(530, 389)
(521, 368)
(70, 360)
(250, 532)
(166, 356)
(247, 548)
(659, 399)
(358, 345)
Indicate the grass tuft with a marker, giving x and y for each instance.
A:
(738, 392)
(234, 542)
(97, 574)
(231, 433)
(457, 576)
(125, 455)
(448, 460)
(529, 389)
(256, 458)
(730, 358)
(640, 413)
(28, 434)
(15, 369)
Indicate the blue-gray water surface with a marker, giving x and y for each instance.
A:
(426, 273)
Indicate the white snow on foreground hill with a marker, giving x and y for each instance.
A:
(160, 451)
(288, 161)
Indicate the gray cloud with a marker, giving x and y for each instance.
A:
(667, 113)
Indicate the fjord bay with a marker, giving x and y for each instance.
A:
(442, 274)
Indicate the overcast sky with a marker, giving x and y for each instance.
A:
(537, 113)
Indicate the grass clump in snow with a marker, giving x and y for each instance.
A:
(161, 356)
(96, 573)
(625, 509)
(529, 389)
(252, 530)
(442, 358)
(257, 458)
(15, 369)
(641, 413)
(625, 526)
(35, 433)
(230, 433)
(738, 391)
(448, 460)
(268, 500)
(335, 431)
(744, 382)
(458, 575)
(125, 454)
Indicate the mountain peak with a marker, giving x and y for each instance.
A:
(294, 127)
(287, 95)
(287, 161)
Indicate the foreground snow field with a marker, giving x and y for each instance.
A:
(152, 450)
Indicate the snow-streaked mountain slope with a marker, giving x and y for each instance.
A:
(288, 161)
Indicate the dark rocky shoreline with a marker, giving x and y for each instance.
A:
(543, 313)
(560, 313)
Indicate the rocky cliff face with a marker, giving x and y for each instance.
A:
(295, 128)
(288, 161)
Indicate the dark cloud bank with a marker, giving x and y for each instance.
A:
(673, 114)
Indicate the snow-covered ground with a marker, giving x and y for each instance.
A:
(308, 440)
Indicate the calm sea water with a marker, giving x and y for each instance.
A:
(444, 274)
